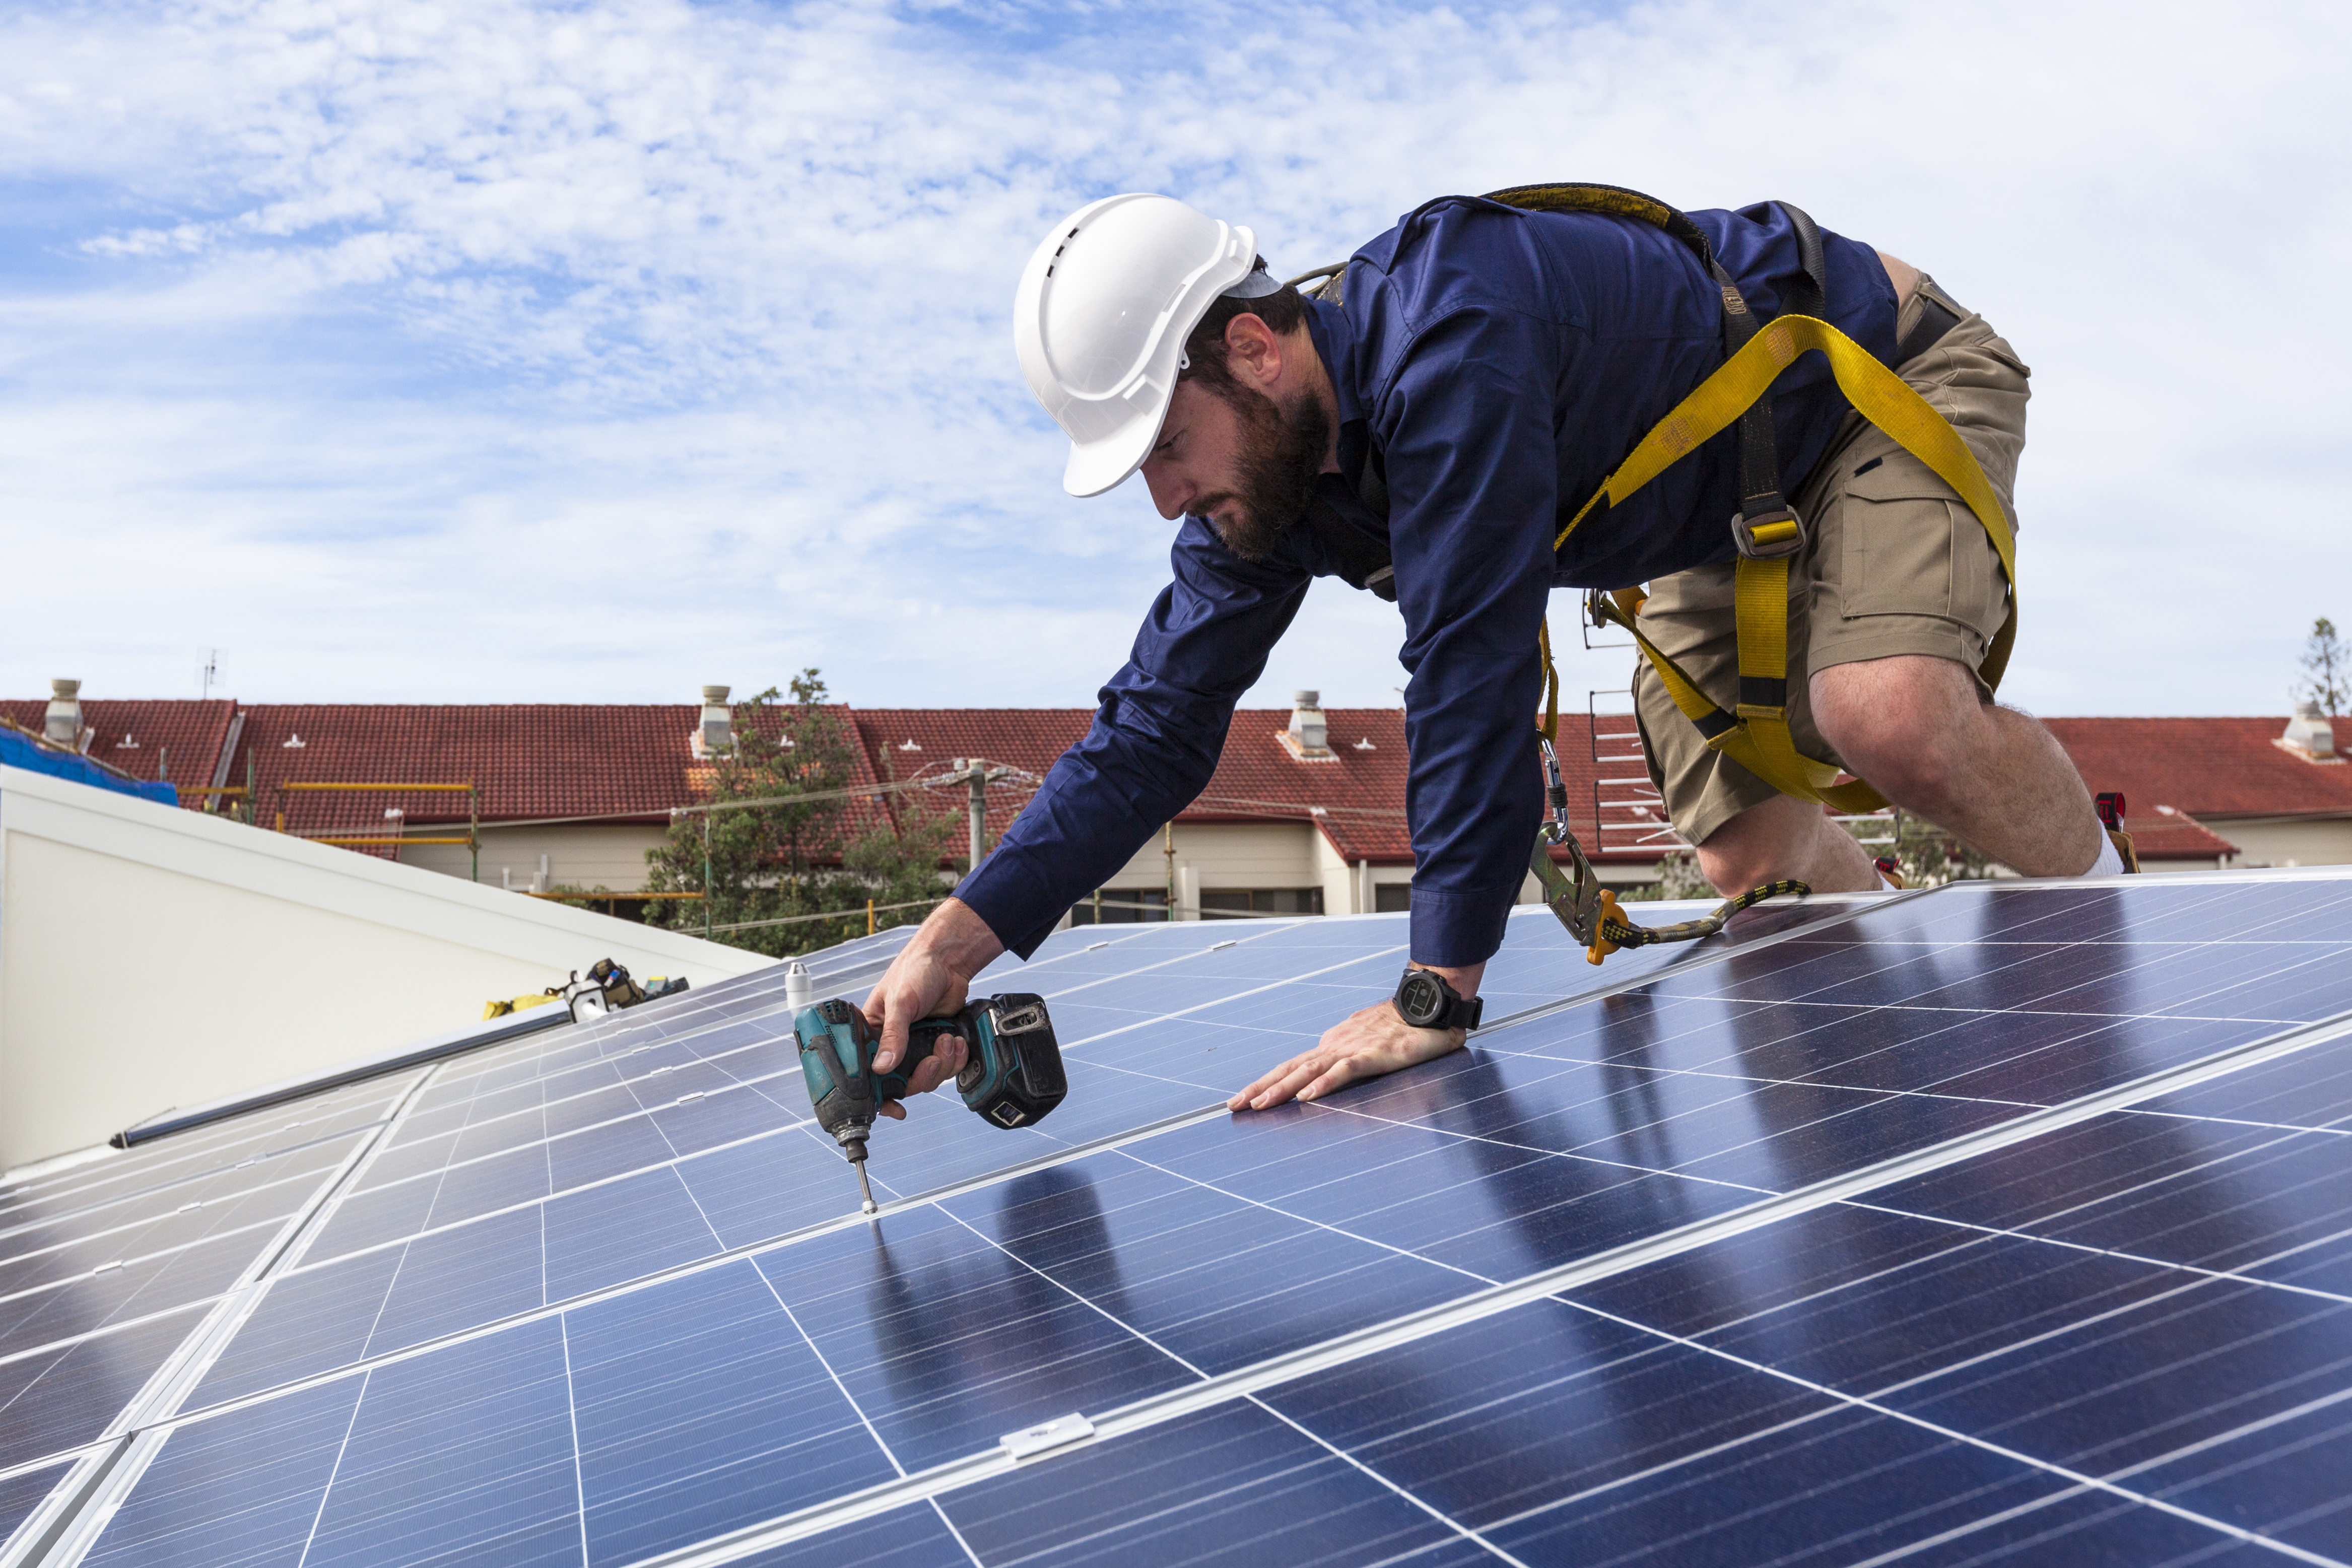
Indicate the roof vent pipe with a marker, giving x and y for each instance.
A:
(714, 735)
(62, 726)
(2308, 732)
(1307, 735)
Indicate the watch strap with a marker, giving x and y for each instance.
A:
(1456, 1012)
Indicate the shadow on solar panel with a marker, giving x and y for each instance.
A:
(2006, 1222)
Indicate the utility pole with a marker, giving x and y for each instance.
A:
(979, 811)
(1168, 842)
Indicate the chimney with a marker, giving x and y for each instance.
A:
(714, 734)
(1307, 736)
(63, 726)
(2309, 733)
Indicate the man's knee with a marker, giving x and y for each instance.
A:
(1761, 844)
(1913, 725)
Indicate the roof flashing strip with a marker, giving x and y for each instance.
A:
(454, 1043)
(1176, 1404)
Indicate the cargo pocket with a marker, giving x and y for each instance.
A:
(1910, 547)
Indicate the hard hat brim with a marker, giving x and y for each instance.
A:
(1104, 465)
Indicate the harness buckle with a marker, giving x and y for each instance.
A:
(1769, 535)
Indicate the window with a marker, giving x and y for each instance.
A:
(1391, 897)
(1120, 906)
(1228, 902)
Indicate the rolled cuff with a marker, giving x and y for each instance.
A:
(1453, 929)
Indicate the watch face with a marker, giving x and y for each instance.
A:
(1420, 999)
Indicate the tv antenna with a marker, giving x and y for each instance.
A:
(211, 670)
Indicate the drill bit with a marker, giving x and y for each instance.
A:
(856, 1150)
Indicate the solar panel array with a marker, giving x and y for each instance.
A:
(2002, 1222)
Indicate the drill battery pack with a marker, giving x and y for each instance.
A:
(1013, 1069)
(1012, 1074)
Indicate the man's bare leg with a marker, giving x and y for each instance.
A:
(1913, 726)
(1785, 836)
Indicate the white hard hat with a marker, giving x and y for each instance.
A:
(1101, 316)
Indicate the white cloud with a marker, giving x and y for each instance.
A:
(591, 351)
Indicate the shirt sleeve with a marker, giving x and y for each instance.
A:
(1465, 426)
(1154, 742)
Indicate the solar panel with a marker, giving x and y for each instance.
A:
(106, 1270)
(1948, 1226)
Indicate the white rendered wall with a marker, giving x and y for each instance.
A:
(2285, 840)
(153, 958)
(1230, 855)
(582, 856)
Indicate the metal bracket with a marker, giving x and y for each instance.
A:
(1060, 1432)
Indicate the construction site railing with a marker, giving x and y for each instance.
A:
(472, 841)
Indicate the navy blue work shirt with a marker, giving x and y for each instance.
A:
(1502, 362)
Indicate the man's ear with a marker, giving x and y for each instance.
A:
(1252, 351)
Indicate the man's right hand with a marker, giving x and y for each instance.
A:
(931, 976)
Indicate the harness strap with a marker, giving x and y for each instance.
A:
(1756, 734)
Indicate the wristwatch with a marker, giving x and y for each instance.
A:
(1424, 1000)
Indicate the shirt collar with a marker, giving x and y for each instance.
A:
(1335, 341)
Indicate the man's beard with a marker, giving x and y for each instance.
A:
(1282, 448)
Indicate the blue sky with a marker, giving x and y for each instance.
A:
(494, 350)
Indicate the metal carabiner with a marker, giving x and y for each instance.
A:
(1573, 895)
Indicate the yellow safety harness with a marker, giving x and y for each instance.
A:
(1755, 733)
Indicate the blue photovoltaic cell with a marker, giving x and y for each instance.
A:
(1755, 1389)
(62, 1396)
(158, 1180)
(2270, 1202)
(1232, 1485)
(110, 1266)
(489, 1241)
(632, 1323)
(915, 1536)
(21, 1494)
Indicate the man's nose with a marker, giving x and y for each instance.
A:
(1170, 493)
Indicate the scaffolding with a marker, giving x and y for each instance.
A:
(472, 841)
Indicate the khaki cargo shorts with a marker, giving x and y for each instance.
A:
(1895, 563)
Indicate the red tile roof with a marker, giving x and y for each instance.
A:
(528, 759)
(2161, 835)
(140, 738)
(635, 762)
(2212, 769)
(1359, 789)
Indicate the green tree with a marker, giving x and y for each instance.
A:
(1925, 854)
(1679, 877)
(808, 848)
(2326, 670)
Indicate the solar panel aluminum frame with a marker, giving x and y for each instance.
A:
(454, 1043)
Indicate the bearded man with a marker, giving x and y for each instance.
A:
(1426, 430)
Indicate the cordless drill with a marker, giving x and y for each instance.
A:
(1012, 1075)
